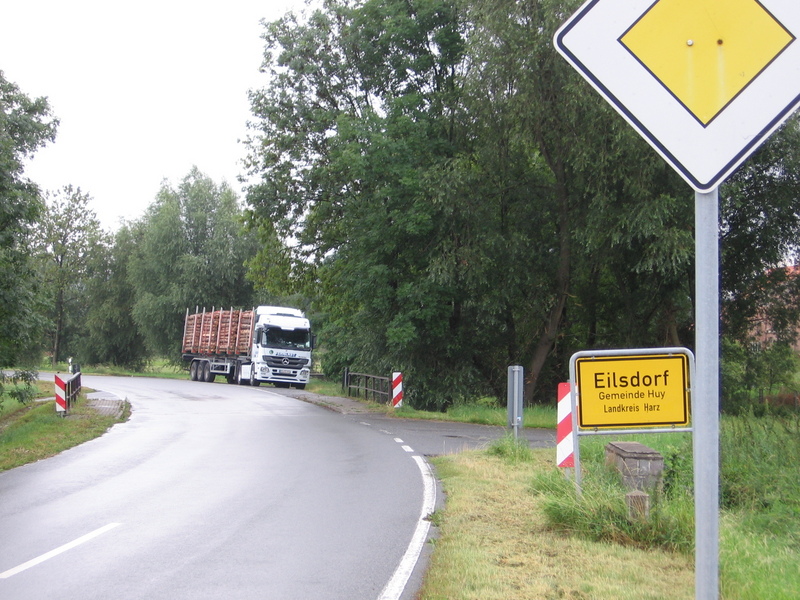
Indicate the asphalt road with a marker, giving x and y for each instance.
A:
(216, 491)
(430, 438)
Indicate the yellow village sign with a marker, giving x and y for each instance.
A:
(632, 390)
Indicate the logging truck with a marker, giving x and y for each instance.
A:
(270, 344)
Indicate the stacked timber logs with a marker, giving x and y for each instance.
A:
(218, 332)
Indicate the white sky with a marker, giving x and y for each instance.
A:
(143, 91)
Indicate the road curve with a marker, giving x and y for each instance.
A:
(212, 491)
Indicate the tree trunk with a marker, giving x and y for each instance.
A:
(58, 326)
(548, 337)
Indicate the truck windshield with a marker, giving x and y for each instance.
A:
(287, 339)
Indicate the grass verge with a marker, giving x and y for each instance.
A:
(496, 543)
(33, 432)
(514, 528)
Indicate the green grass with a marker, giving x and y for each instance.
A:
(760, 498)
(161, 368)
(32, 432)
(755, 564)
(514, 528)
(495, 543)
(535, 416)
(326, 387)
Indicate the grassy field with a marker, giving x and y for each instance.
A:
(513, 527)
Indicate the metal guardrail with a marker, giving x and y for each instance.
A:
(373, 387)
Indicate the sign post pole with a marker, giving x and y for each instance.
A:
(515, 396)
(705, 83)
(705, 405)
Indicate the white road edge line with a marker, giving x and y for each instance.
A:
(57, 551)
(402, 574)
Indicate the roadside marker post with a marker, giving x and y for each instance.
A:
(61, 396)
(67, 391)
(705, 83)
(565, 439)
(397, 390)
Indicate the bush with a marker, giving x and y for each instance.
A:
(21, 386)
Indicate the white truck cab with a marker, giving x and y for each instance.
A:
(282, 344)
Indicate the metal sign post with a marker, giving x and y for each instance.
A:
(515, 383)
(705, 83)
(705, 407)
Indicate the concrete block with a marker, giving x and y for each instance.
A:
(641, 467)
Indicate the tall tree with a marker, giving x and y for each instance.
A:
(111, 335)
(460, 198)
(760, 235)
(355, 117)
(449, 161)
(190, 250)
(68, 238)
(25, 125)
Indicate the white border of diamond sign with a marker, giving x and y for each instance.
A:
(703, 155)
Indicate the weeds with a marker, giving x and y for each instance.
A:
(756, 457)
(600, 514)
(512, 450)
(760, 502)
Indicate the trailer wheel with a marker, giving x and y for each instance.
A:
(193, 371)
(208, 376)
(231, 376)
(239, 379)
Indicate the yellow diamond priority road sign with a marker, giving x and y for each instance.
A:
(705, 82)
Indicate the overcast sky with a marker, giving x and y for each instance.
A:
(143, 90)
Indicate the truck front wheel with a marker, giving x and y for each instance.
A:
(253, 380)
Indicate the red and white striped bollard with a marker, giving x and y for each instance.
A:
(61, 395)
(397, 390)
(565, 440)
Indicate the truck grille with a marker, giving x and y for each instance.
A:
(284, 362)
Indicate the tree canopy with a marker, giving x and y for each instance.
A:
(441, 191)
(25, 126)
(188, 250)
(457, 199)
